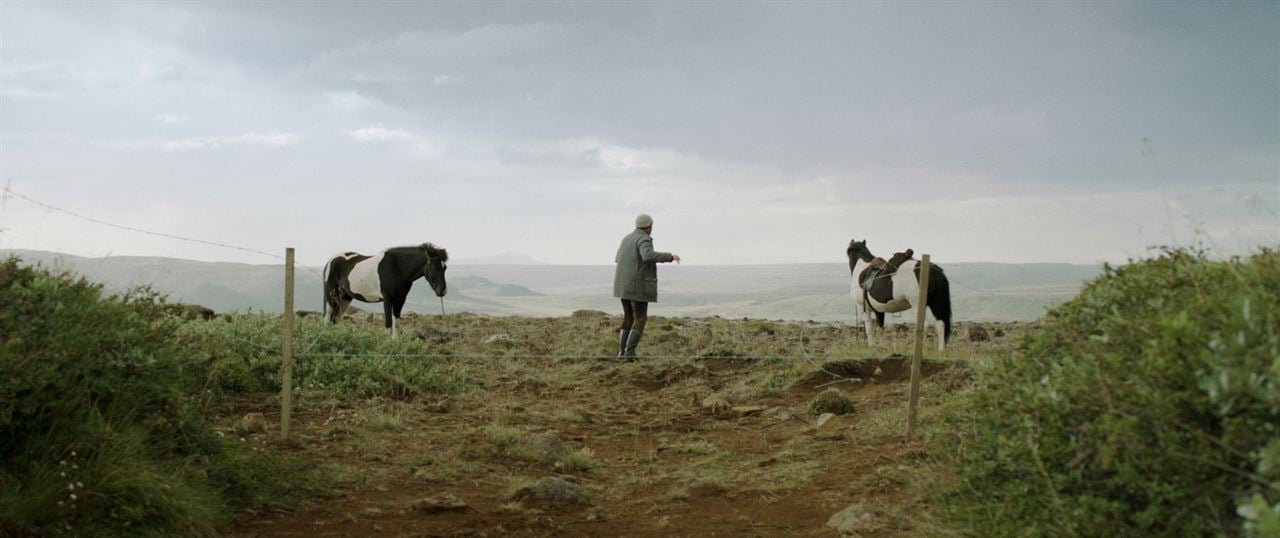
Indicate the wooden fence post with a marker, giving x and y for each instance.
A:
(918, 357)
(286, 395)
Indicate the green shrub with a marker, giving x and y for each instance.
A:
(103, 421)
(243, 354)
(832, 400)
(1148, 405)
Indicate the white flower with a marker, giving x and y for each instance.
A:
(73, 496)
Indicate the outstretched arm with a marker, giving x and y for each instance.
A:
(649, 255)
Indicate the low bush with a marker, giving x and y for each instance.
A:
(243, 355)
(105, 425)
(1148, 405)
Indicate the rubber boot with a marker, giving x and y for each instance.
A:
(633, 340)
(622, 342)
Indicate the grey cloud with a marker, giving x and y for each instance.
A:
(538, 111)
(434, 57)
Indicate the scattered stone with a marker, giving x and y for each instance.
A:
(547, 446)
(786, 413)
(439, 504)
(854, 520)
(428, 334)
(716, 404)
(552, 489)
(441, 406)
(252, 423)
(829, 425)
(503, 340)
(978, 333)
(832, 400)
(748, 410)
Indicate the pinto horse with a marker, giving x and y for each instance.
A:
(383, 278)
(893, 286)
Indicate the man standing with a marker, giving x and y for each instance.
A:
(636, 282)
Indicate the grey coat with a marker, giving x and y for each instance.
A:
(636, 278)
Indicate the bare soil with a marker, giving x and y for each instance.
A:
(653, 460)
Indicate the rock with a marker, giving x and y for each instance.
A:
(441, 406)
(547, 446)
(978, 333)
(854, 520)
(429, 334)
(829, 426)
(831, 400)
(503, 340)
(716, 404)
(552, 489)
(785, 413)
(444, 502)
(252, 423)
(748, 410)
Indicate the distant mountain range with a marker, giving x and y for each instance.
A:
(812, 291)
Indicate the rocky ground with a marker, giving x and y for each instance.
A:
(689, 442)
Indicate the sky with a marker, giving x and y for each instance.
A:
(753, 133)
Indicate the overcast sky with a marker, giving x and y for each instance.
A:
(753, 133)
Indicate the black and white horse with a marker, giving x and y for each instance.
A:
(383, 278)
(879, 288)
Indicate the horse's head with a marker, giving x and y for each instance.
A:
(437, 264)
(857, 251)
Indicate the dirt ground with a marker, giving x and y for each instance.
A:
(658, 447)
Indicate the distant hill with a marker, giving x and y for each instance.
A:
(816, 291)
(506, 258)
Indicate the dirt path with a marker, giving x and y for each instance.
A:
(637, 439)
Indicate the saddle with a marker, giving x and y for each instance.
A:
(883, 268)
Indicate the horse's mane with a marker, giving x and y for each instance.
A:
(432, 250)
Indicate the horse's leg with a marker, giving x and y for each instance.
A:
(388, 316)
(940, 328)
(940, 305)
(880, 328)
(395, 322)
(866, 322)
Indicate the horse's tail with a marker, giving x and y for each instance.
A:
(940, 299)
(324, 291)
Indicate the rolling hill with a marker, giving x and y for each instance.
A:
(814, 291)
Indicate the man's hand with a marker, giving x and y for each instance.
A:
(675, 258)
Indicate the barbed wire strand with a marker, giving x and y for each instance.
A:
(544, 356)
(10, 192)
